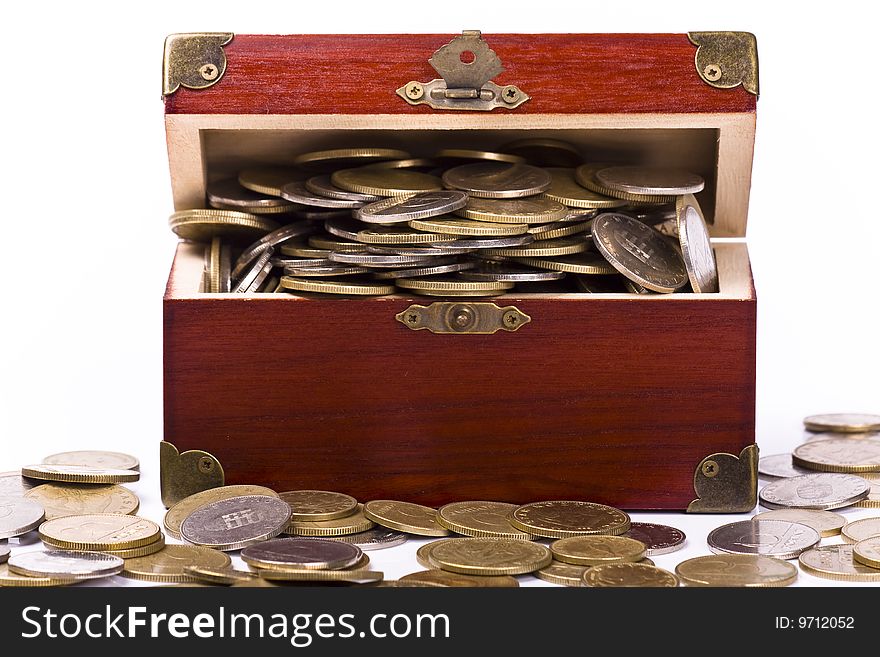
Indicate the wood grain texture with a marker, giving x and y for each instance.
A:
(358, 74)
(608, 399)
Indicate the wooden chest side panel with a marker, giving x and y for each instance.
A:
(358, 74)
(610, 400)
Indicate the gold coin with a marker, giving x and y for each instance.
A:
(77, 474)
(563, 518)
(826, 523)
(91, 458)
(629, 575)
(169, 564)
(442, 578)
(867, 552)
(405, 517)
(223, 576)
(83, 499)
(99, 531)
(202, 225)
(300, 250)
(474, 154)
(141, 551)
(490, 556)
(339, 158)
(423, 554)
(598, 550)
(336, 287)
(468, 227)
(565, 189)
(305, 575)
(843, 422)
(350, 524)
(212, 268)
(175, 516)
(450, 285)
(312, 505)
(480, 519)
(544, 248)
(873, 499)
(8, 578)
(269, 180)
(585, 175)
(564, 230)
(462, 293)
(564, 574)
(533, 210)
(838, 455)
(836, 562)
(738, 570)
(858, 530)
(399, 235)
(587, 262)
(385, 182)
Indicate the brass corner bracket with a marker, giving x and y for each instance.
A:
(467, 65)
(181, 475)
(195, 61)
(727, 59)
(725, 483)
(463, 318)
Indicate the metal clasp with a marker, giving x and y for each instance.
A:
(463, 318)
(467, 65)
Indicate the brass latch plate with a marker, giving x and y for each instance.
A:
(463, 318)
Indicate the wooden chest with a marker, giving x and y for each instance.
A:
(637, 401)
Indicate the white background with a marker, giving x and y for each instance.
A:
(86, 194)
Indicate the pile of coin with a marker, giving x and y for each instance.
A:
(462, 223)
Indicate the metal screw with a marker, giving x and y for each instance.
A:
(462, 319)
(511, 318)
(710, 469)
(510, 94)
(209, 72)
(712, 72)
(206, 465)
(415, 91)
(412, 318)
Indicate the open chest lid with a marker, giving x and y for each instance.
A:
(678, 100)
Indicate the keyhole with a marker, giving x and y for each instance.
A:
(467, 57)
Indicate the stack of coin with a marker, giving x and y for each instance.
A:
(308, 559)
(463, 223)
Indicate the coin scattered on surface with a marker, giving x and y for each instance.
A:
(838, 455)
(352, 576)
(99, 531)
(780, 466)
(64, 564)
(178, 513)
(423, 554)
(478, 518)
(12, 484)
(8, 578)
(859, 530)
(19, 515)
(83, 499)
(236, 522)
(629, 575)
(490, 556)
(737, 570)
(564, 574)
(867, 552)
(312, 505)
(351, 524)
(597, 550)
(843, 422)
(300, 553)
(76, 474)
(443, 578)
(376, 538)
(774, 538)
(836, 562)
(658, 539)
(94, 459)
(405, 517)
(562, 518)
(221, 576)
(822, 491)
(826, 523)
(873, 499)
(171, 563)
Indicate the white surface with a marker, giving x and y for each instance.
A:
(86, 197)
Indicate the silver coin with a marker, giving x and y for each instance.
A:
(236, 522)
(12, 484)
(286, 261)
(273, 239)
(65, 564)
(377, 538)
(4, 553)
(253, 271)
(822, 491)
(650, 181)
(261, 279)
(497, 179)
(408, 208)
(772, 538)
(378, 260)
(511, 273)
(297, 192)
(658, 539)
(450, 248)
(228, 194)
(839, 455)
(19, 515)
(347, 228)
(843, 422)
(696, 246)
(225, 268)
(78, 473)
(333, 269)
(313, 553)
(827, 523)
(415, 272)
(322, 186)
(779, 466)
(488, 242)
(639, 252)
